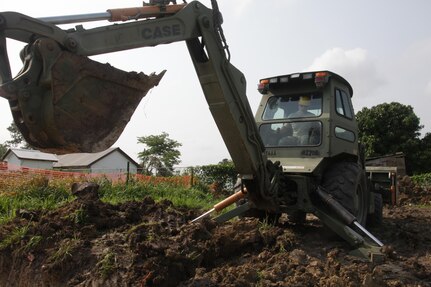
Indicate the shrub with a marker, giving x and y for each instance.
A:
(221, 177)
(423, 180)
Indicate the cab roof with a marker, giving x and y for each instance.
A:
(319, 77)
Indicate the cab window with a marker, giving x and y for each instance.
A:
(293, 106)
(291, 134)
(342, 104)
(344, 134)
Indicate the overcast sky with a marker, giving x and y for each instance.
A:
(383, 48)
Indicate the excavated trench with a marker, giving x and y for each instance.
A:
(90, 243)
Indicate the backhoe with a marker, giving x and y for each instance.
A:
(288, 161)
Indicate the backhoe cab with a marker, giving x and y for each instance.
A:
(304, 118)
(298, 155)
(307, 123)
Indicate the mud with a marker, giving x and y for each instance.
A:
(91, 243)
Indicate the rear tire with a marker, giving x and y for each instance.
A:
(345, 181)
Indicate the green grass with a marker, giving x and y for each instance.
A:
(33, 242)
(41, 194)
(108, 264)
(135, 191)
(64, 251)
(79, 216)
(32, 198)
(14, 237)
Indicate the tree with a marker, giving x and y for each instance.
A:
(17, 138)
(423, 156)
(389, 128)
(160, 155)
(3, 150)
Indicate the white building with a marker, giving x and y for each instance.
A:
(17, 158)
(112, 160)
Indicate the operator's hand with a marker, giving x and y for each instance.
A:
(286, 130)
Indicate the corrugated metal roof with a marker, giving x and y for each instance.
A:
(33, 154)
(81, 159)
(67, 160)
(85, 160)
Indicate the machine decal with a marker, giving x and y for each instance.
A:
(161, 31)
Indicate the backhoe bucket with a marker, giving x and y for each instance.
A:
(66, 103)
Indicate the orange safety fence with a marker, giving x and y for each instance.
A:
(8, 171)
(183, 180)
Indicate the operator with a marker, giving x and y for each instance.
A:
(303, 104)
(301, 132)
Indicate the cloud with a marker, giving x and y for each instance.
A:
(413, 66)
(428, 88)
(354, 65)
(238, 8)
(242, 5)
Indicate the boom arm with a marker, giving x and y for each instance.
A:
(224, 86)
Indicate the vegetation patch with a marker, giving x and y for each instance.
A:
(422, 180)
(33, 242)
(108, 264)
(180, 196)
(14, 237)
(32, 193)
(79, 216)
(64, 251)
(39, 193)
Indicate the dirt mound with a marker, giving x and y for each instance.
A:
(90, 243)
(411, 193)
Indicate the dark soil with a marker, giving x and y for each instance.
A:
(91, 243)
